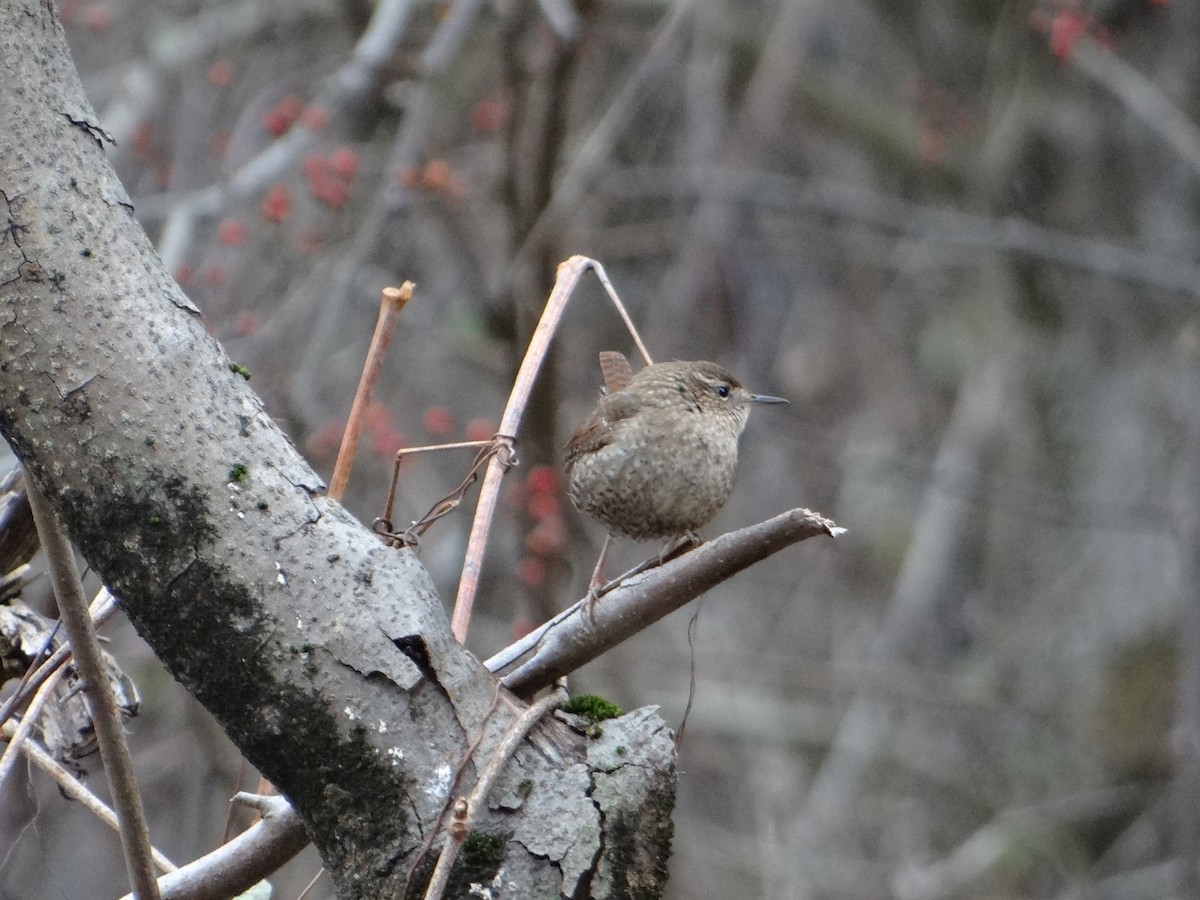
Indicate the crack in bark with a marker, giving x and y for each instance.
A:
(98, 134)
(12, 229)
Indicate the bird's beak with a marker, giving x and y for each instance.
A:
(763, 398)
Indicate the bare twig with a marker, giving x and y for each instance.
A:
(135, 838)
(569, 273)
(238, 865)
(72, 789)
(391, 303)
(464, 811)
(566, 642)
(947, 227)
(467, 758)
(28, 720)
(1142, 98)
(577, 176)
(312, 883)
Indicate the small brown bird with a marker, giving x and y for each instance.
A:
(657, 456)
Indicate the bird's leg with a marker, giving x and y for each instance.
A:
(681, 545)
(596, 586)
(672, 549)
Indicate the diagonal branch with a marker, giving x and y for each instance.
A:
(566, 642)
(72, 607)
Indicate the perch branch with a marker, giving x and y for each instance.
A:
(566, 642)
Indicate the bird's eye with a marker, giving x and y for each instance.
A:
(722, 390)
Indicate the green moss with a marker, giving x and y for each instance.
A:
(639, 845)
(591, 707)
(239, 369)
(238, 473)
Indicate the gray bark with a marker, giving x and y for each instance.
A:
(326, 657)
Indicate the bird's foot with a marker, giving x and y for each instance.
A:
(676, 547)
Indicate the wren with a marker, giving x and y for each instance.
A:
(656, 458)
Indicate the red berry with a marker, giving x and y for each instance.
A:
(246, 324)
(543, 480)
(314, 118)
(99, 17)
(219, 73)
(213, 275)
(386, 441)
(531, 571)
(479, 430)
(231, 232)
(344, 161)
(326, 439)
(543, 506)
(277, 203)
(547, 537)
(439, 422)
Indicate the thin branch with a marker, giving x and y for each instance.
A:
(948, 227)
(9, 758)
(577, 176)
(567, 641)
(73, 790)
(243, 862)
(1142, 98)
(135, 837)
(391, 303)
(463, 811)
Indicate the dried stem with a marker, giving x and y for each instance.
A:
(410, 537)
(89, 662)
(463, 812)
(391, 302)
(569, 273)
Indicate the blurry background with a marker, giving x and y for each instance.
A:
(961, 237)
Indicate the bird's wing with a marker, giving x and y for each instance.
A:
(616, 370)
(597, 431)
